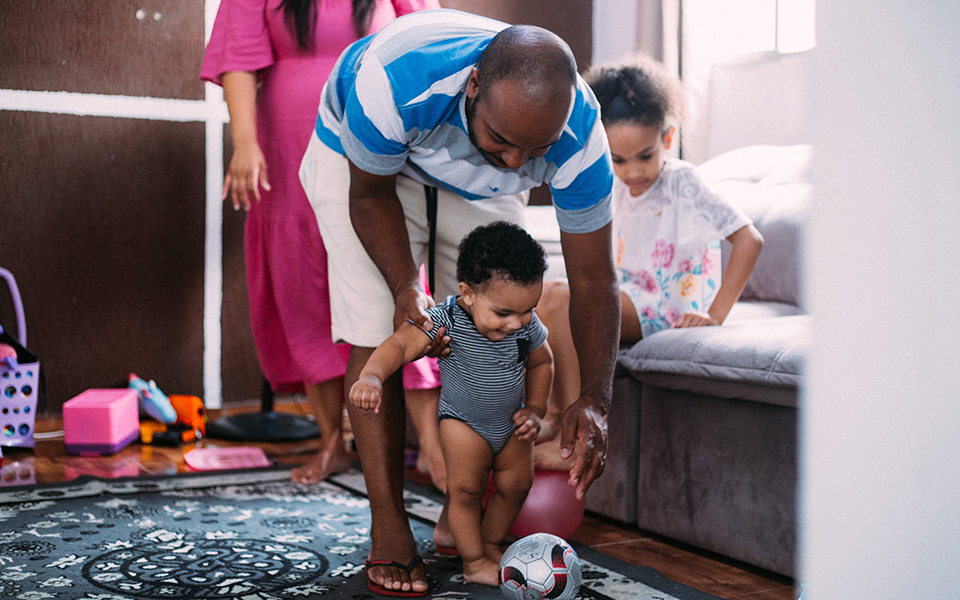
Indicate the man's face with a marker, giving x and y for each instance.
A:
(508, 129)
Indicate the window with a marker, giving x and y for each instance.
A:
(732, 27)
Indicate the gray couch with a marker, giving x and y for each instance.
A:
(703, 426)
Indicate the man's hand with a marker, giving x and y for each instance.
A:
(584, 430)
(412, 305)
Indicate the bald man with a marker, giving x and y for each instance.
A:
(441, 122)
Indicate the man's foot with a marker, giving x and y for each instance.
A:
(483, 571)
(430, 461)
(546, 456)
(392, 578)
(328, 461)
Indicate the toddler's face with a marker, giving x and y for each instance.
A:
(637, 153)
(500, 306)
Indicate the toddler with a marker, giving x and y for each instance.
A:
(667, 227)
(496, 382)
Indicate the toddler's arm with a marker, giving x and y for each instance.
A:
(747, 243)
(539, 380)
(405, 345)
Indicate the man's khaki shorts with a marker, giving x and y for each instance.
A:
(361, 305)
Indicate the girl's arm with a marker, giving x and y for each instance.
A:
(405, 345)
(248, 167)
(539, 380)
(747, 243)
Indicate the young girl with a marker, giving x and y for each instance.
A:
(667, 228)
(496, 381)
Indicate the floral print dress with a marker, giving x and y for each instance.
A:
(667, 244)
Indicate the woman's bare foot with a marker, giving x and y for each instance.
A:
(482, 570)
(546, 456)
(330, 460)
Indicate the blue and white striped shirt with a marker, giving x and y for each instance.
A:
(396, 103)
(483, 380)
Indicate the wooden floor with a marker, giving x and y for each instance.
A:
(49, 462)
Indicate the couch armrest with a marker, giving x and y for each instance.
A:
(755, 359)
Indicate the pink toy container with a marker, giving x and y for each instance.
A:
(100, 421)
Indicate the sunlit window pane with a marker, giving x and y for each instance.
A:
(795, 25)
(734, 27)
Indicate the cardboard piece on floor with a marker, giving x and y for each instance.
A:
(234, 457)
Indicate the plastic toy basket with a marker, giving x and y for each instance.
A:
(20, 385)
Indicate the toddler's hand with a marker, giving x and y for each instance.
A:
(367, 393)
(693, 319)
(528, 424)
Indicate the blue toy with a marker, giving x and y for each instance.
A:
(152, 401)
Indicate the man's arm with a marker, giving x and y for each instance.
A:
(595, 326)
(377, 217)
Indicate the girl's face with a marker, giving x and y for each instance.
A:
(500, 306)
(637, 153)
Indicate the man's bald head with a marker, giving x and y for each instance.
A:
(532, 56)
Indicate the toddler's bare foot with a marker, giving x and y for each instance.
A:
(482, 571)
(546, 456)
(331, 459)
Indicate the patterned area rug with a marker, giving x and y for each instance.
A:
(251, 535)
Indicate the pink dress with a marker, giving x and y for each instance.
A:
(285, 258)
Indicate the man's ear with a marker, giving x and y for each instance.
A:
(473, 84)
(668, 137)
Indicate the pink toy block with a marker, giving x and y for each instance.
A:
(100, 421)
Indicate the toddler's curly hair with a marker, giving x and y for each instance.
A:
(500, 249)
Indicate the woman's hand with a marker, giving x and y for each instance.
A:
(246, 175)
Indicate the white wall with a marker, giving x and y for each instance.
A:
(880, 490)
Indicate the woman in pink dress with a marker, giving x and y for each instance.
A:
(272, 58)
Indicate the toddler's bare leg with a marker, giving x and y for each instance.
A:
(512, 477)
(468, 458)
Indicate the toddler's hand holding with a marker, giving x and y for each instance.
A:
(694, 319)
(528, 424)
(367, 393)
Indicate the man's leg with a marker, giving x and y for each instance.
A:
(361, 308)
(380, 443)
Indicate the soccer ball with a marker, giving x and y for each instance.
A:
(540, 566)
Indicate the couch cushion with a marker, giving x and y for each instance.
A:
(753, 359)
(771, 184)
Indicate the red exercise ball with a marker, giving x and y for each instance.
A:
(551, 506)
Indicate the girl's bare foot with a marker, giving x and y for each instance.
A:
(330, 460)
(482, 570)
(430, 460)
(546, 456)
(549, 429)
(442, 535)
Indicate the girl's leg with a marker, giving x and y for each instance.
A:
(326, 399)
(554, 311)
(468, 457)
(512, 478)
